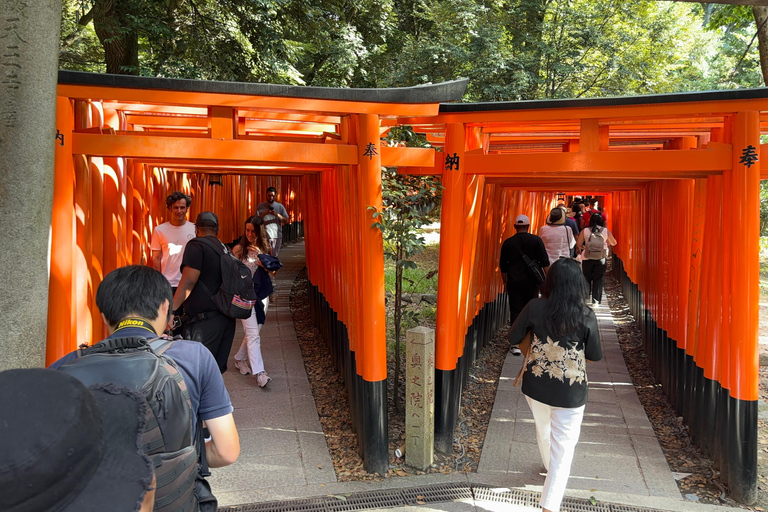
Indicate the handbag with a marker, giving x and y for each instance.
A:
(534, 268)
(525, 347)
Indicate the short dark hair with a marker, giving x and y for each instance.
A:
(271, 189)
(177, 196)
(133, 290)
(596, 221)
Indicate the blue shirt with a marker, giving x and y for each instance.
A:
(207, 392)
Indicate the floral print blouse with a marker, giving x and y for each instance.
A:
(557, 370)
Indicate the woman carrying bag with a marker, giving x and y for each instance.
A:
(564, 336)
(251, 249)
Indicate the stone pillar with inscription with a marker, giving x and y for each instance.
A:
(29, 51)
(420, 397)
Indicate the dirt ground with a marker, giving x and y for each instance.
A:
(698, 479)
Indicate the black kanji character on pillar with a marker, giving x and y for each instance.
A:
(748, 156)
(370, 150)
(450, 161)
(60, 137)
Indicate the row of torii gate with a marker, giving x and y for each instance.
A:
(679, 175)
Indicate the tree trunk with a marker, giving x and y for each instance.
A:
(533, 27)
(398, 317)
(119, 39)
(761, 14)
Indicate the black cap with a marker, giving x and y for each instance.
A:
(207, 220)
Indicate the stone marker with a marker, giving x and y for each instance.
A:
(29, 40)
(419, 397)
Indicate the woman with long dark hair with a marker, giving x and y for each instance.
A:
(593, 245)
(564, 335)
(253, 242)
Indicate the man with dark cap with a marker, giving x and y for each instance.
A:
(201, 278)
(521, 286)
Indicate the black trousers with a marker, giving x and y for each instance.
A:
(594, 272)
(216, 332)
(520, 293)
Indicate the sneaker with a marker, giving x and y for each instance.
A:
(243, 367)
(263, 379)
(516, 351)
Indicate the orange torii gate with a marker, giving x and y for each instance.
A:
(124, 142)
(668, 167)
(671, 169)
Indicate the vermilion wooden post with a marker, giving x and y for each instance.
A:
(62, 239)
(82, 253)
(373, 367)
(447, 335)
(97, 245)
(744, 299)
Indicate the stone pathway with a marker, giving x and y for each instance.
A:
(617, 451)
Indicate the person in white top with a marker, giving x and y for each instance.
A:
(593, 244)
(170, 238)
(248, 358)
(557, 237)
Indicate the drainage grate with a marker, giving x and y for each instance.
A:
(364, 500)
(439, 493)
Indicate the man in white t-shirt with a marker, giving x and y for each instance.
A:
(274, 216)
(170, 238)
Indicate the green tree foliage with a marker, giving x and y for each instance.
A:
(732, 56)
(509, 49)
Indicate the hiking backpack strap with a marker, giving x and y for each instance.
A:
(159, 346)
(115, 344)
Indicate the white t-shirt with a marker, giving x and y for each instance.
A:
(171, 240)
(558, 241)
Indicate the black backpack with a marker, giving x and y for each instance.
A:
(235, 297)
(135, 363)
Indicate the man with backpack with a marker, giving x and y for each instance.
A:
(179, 379)
(201, 278)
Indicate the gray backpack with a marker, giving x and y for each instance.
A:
(140, 364)
(594, 248)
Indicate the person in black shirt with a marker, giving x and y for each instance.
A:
(201, 265)
(564, 336)
(521, 285)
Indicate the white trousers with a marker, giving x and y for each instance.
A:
(250, 348)
(557, 432)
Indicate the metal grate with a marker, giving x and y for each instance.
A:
(439, 493)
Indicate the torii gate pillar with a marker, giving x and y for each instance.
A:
(29, 65)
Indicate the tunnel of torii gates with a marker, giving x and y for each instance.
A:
(668, 169)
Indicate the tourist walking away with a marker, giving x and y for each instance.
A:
(252, 244)
(135, 303)
(69, 448)
(522, 285)
(200, 278)
(593, 245)
(564, 335)
(557, 236)
(274, 216)
(170, 238)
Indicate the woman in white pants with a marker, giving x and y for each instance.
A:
(248, 359)
(564, 336)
